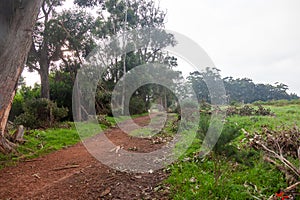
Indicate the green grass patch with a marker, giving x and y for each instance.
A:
(285, 116)
(196, 180)
(242, 174)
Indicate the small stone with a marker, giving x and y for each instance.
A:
(193, 180)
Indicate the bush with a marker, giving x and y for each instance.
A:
(40, 113)
(23, 94)
(137, 106)
(16, 108)
(203, 125)
(229, 133)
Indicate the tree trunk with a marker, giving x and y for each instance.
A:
(17, 41)
(44, 74)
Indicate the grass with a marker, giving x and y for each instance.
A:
(196, 179)
(285, 116)
(243, 175)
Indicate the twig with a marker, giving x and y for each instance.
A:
(292, 187)
(36, 176)
(66, 167)
(33, 160)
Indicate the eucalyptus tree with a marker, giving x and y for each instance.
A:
(17, 19)
(126, 18)
(59, 37)
(43, 51)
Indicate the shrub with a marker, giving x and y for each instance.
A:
(25, 93)
(229, 133)
(17, 108)
(203, 125)
(137, 106)
(40, 113)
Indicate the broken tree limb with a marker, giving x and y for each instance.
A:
(292, 187)
(282, 159)
(66, 167)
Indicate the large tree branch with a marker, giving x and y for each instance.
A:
(31, 66)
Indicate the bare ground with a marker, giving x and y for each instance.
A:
(72, 173)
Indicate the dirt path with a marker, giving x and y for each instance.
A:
(73, 173)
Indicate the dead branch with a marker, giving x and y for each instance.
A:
(292, 187)
(66, 167)
(282, 159)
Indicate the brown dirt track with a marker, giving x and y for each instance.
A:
(49, 177)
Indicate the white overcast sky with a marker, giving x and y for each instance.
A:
(257, 39)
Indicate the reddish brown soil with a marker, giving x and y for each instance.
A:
(45, 178)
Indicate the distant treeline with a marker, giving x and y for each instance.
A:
(239, 90)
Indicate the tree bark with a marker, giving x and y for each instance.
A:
(44, 74)
(17, 41)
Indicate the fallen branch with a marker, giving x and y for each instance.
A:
(292, 187)
(33, 160)
(66, 167)
(282, 159)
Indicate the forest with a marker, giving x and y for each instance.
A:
(57, 141)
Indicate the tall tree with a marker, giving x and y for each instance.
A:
(44, 50)
(17, 19)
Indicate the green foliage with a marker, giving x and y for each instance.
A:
(224, 145)
(28, 92)
(199, 81)
(61, 88)
(40, 113)
(239, 90)
(23, 94)
(88, 3)
(103, 99)
(17, 107)
(203, 125)
(229, 133)
(283, 117)
(137, 106)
